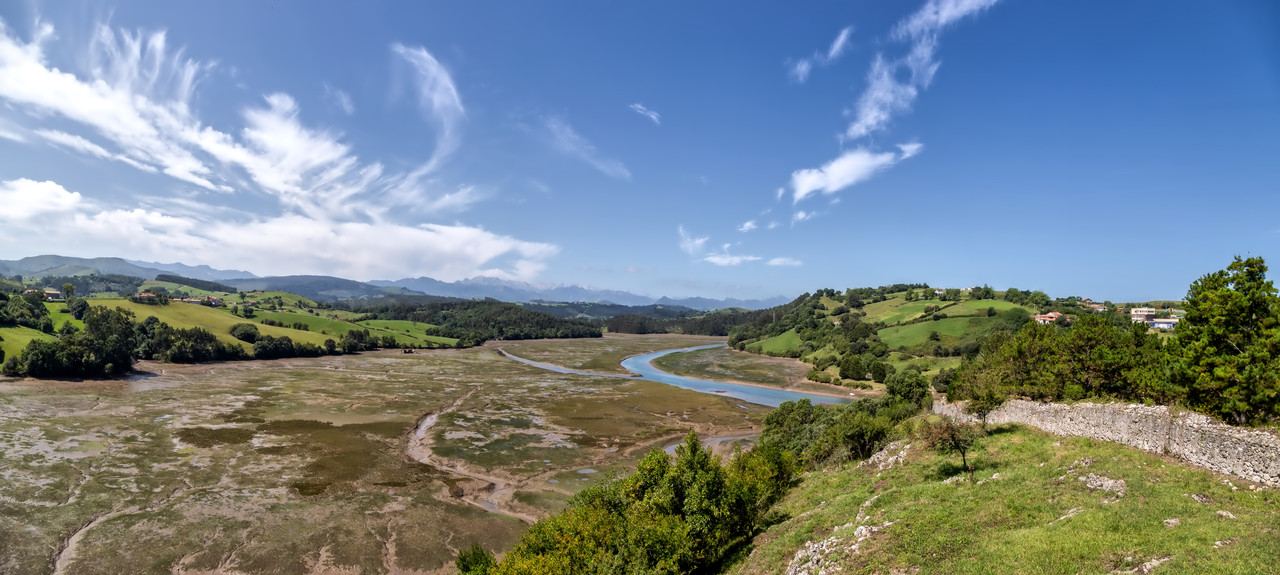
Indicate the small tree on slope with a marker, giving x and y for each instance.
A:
(948, 436)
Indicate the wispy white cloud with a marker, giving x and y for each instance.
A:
(137, 94)
(785, 262)
(11, 131)
(724, 259)
(801, 215)
(851, 167)
(799, 70)
(747, 226)
(566, 140)
(84, 146)
(340, 98)
(692, 245)
(334, 213)
(437, 97)
(894, 85)
(643, 111)
(938, 14)
(892, 88)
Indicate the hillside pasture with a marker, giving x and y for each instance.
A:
(779, 345)
(218, 321)
(978, 307)
(885, 310)
(171, 287)
(335, 328)
(917, 333)
(408, 330)
(16, 338)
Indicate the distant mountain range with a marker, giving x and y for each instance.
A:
(51, 265)
(200, 272)
(474, 288)
(328, 288)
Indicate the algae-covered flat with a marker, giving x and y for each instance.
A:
(298, 465)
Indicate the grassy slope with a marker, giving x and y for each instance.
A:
(334, 328)
(58, 317)
(406, 331)
(979, 307)
(778, 344)
(896, 309)
(218, 321)
(16, 338)
(908, 335)
(192, 292)
(927, 365)
(1007, 525)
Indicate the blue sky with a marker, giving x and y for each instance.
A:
(1115, 150)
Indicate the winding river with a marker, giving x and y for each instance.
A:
(643, 365)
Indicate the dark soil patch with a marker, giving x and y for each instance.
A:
(213, 437)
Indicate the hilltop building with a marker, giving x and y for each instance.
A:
(1047, 318)
(1142, 314)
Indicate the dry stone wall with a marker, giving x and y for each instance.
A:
(1252, 454)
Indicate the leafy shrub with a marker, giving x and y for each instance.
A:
(245, 332)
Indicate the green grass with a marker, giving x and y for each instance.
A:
(16, 338)
(917, 333)
(779, 344)
(979, 307)
(927, 365)
(896, 310)
(882, 310)
(290, 299)
(59, 317)
(334, 328)
(191, 292)
(1011, 524)
(218, 321)
(406, 331)
(316, 324)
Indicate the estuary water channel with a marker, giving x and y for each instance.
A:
(642, 365)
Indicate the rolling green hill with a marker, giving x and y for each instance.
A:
(781, 344)
(17, 337)
(918, 333)
(218, 321)
(825, 328)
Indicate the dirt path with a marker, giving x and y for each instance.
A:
(495, 498)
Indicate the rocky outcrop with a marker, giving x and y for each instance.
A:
(1251, 454)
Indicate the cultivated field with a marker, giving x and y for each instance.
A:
(379, 462)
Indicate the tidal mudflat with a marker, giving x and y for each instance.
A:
(380, 462)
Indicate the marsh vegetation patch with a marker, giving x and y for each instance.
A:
(291, 465)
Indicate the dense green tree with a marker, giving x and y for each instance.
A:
(77, 306)
(880, 371)
(245, 332)
(681, 516)
(110, 332)
(851, 367)
(910, 386)
(1230, 343)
